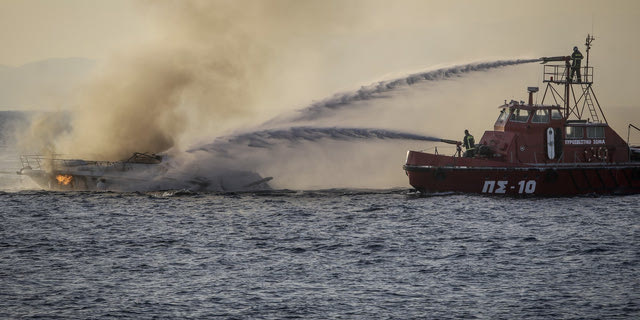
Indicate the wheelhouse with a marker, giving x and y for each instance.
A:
(514, 115)
(529, 133)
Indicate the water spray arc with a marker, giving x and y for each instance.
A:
(288, 131)
(271, 137)
(280, 146)
(340, 101)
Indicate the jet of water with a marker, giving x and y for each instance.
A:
(339, 101)
(270, 137)
(267, 137)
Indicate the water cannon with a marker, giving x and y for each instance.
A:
(558, 58)
(458, 143)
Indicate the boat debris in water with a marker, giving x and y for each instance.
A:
(559, 149)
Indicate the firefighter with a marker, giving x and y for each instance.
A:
(468, 141)
(575, 66)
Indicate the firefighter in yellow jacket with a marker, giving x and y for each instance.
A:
(468, 142)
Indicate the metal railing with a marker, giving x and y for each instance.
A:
(558, 74)
(40, 162)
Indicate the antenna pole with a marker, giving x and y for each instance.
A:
(587, 43)
(566, 88)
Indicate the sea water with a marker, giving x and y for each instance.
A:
(330, 254)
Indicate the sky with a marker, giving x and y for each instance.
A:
(206, 68)
(343, 43)
(433, 31)
(32, 30)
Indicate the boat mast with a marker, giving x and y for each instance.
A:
(560, 75)
(587, 43)
(567, 87)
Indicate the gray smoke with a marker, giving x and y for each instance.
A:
(339, 101)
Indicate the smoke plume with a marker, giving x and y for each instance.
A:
(206, 75)
(217, 66)
(209, 73)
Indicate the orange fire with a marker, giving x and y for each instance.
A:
(64, 179)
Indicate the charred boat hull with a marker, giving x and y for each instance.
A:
(141, 172)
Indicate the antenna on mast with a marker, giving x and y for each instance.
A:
(587, 43)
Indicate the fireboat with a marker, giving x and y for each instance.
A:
(562, 148)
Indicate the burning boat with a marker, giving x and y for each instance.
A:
(140, 172)
(559, 149)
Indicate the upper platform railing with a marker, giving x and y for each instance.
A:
(558, 74)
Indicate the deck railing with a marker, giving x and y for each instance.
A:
(558, 74)
(39, 162)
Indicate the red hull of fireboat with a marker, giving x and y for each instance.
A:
(532, 180)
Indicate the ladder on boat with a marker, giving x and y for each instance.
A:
(588, 101)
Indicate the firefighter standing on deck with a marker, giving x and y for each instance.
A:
(469, 144)
(575, 67)
(468, 141)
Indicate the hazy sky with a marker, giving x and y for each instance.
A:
(338, 45)
(345, 43)
(39, 29)
(33, 30)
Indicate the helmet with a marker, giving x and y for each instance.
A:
(575, 48)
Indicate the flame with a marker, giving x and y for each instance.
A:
(64, 179)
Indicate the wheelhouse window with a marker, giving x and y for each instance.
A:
(519, 115)
(555, 114)
(595, 132)
(574, 132)
(502, 118)
(540, 116)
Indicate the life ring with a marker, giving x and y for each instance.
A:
(589, 154)
(603, 153)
